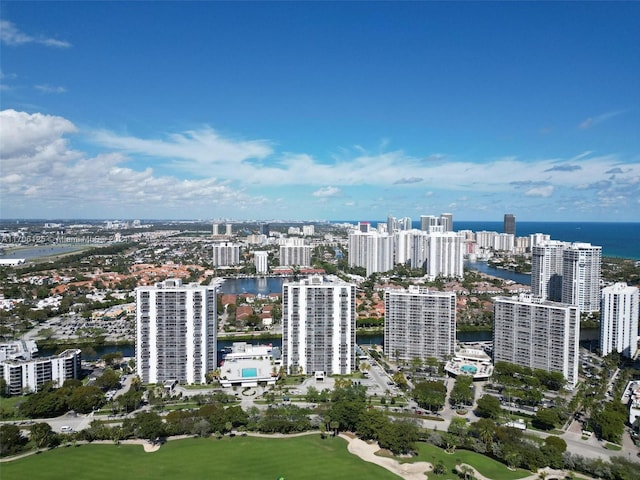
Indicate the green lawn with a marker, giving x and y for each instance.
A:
(488, 467)
(306, 457)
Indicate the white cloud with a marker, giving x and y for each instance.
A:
(327, 192)
(37, 159)
(540, 192)
(12, 36)
(40, 170)
(25, 134)
(593, 121)
(49, 89)
(198, 151)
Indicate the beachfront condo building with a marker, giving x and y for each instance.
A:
(318, 326)
(175, 332)
(538, 334)
(619, 320)
(419, 324)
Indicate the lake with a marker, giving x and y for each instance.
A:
(47, 251)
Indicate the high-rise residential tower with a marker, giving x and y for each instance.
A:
(371, 250)
(581, 265)
(535, 333)
(175, 332)
(261, 261)
(419, 324)
(318, 326)
(509, 225)
(295, 255)
(619, 320)
(546, 270)
(445, 255)
(226, 254)
(446, 220)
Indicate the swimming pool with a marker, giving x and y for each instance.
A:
(470, 369)
(249, 372)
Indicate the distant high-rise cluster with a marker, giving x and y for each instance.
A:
(434, 248)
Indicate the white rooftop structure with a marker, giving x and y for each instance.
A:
(470, 361)
(248, 365)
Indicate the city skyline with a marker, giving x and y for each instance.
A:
(320, 110)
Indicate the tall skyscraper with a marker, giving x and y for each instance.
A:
(535, 333)
(265, 229)
(546, 270)
(581, 266)
(509, 225)
(318, 326)
(229, 230)
(215, 229)
(175, 332)
(419, 324)
(619, 320)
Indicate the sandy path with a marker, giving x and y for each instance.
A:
(367, 452)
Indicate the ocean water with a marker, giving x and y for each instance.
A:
(616, 239)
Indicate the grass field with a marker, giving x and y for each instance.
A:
(488, 467)
(246, 458)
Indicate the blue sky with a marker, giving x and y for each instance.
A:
(286, 110)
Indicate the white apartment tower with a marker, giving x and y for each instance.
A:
(445, 255)
(536, 333)
(581, 263)
(619, 320)
(419, 324)
(226, 254)
(261, 261)
(291, 255)
(175, 332)
(371, 250)
(546, 270)
(446, 220)
(504, 242)
(318, 326)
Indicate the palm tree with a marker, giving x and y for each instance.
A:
(466, 471)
